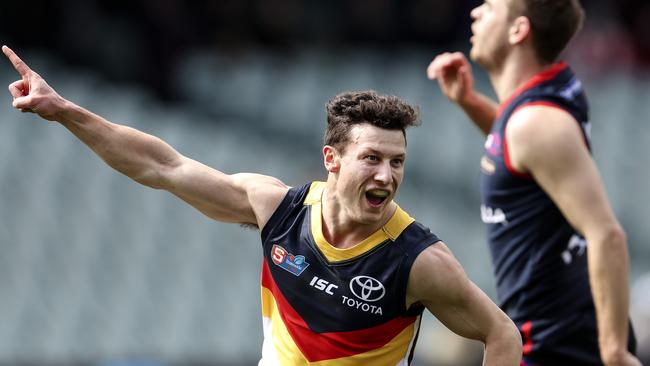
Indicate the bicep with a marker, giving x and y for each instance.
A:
(574, 184)
(441, 285)
(238, 198)
(550, 146)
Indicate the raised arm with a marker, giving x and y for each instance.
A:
(241, 198)
(454, 75)
(547, 143)
(438, 282)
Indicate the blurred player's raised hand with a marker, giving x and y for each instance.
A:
(31, 93)
(454, 75)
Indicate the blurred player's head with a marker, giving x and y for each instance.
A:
(364, 152)
(553, 23)
(546, 26)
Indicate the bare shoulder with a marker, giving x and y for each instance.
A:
(265, 193)
(540, 122)
(539, 134)
(254, 181)
(436, 274)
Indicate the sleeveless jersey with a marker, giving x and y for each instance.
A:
(539, 260)
(328, 306)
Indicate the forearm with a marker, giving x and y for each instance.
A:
(503, 347)
(481, 110)
(608, 270)
(136, 154)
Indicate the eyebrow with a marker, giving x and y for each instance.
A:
(377, 152)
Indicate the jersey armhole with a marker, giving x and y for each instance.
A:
(421, 238)
(292, 195)
(506, 154)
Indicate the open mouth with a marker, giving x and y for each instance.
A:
(376, 197)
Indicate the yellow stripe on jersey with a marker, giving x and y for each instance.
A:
(315, 193)
(287, 352)
(393, 228)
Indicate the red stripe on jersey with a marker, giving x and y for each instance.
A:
(506, 155)
(325, 346)
(528, 342)
(543, 76)
(506, 161)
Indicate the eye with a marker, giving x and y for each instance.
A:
(372, 157)
(397, 162)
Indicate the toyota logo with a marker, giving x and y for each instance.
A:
(367, 288)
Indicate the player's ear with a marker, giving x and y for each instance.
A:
(519, 30)
(331, 159)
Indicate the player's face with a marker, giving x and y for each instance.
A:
(490, 33)
(371, 170)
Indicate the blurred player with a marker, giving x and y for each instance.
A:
(346, 272)
(542, 197)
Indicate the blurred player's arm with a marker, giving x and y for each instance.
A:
(548, 143)
(454, 75)
(439, 282)
(241, 198)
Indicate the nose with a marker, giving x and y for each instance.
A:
(474, 14)
(384, 172)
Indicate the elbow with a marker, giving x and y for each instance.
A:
(505, 341)
(156, 177)
(516, 343)
(152, 178)
(147, 180)
(608, 237)
(617, 234)
(158, 174)
(514, 337)
(518, 340)
(607, 250)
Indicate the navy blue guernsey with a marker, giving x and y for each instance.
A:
(325, 305)
(539, 259)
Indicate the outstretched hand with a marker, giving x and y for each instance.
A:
(454, 75)
(31, 93)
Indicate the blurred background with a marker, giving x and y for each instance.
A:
(97, 270)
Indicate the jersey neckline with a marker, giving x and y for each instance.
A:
(391, 230)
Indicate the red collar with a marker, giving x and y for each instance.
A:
(537, 79)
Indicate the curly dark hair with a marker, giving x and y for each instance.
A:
(355, 107)
(554, 23)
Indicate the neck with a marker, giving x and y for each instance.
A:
(340, 229)
(514, 72)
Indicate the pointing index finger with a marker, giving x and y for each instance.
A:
(19, 65)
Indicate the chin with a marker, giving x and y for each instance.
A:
(481, 61)
(474, 54)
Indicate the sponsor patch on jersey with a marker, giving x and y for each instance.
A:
(367, 288)
(295, 264)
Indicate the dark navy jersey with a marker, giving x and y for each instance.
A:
(337, 306)
(540, 261)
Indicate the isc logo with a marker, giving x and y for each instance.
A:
(322, 285)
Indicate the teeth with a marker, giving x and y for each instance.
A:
(378, 193)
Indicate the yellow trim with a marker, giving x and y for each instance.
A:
(315, 193)
(388, 355)
(286, 349)
(288, 352)
(391, 230)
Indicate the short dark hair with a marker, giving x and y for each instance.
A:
(355, 107)
(553, 22)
